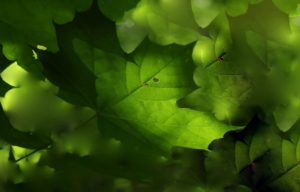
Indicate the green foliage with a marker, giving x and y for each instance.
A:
(164, 22)
(261, 158)
(114, 12)
(17, 138)
(149, 95)
(31, 23)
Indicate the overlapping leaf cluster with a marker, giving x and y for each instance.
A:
(153, 83)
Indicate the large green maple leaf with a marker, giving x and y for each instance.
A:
(139, 96)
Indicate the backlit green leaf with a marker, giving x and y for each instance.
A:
(164, 22)
(140, 97)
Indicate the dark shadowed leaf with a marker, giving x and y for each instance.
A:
(115, 9)
(24, 23)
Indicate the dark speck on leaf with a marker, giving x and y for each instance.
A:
(221, 58)
(146, 84)
(156, 80)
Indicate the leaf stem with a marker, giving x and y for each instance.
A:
(29, 154)
(41, 148)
